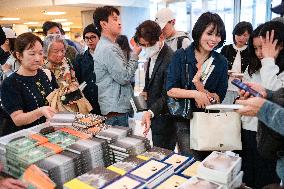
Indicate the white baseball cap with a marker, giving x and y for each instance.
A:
(163, 16)
(9, 33)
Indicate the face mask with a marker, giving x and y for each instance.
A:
(151, 51)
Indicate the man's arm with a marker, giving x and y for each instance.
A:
(119, 69)
(272, 115)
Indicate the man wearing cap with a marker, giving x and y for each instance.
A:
(175, 39)
(8, 45)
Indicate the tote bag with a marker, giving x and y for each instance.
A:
(215, 131)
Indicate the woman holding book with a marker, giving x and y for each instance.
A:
(207, 71)
(55, 49)
(24, 93)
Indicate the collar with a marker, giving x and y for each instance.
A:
(157, 54)
(239, 49)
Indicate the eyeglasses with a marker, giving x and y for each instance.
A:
(91, 38)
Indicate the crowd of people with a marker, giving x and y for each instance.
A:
(37, 78)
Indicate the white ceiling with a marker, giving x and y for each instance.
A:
(32, 10)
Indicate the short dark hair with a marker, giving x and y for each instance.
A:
(148, 30)
(26, 41)
(48, 25)
(241, 28)
(102, 14)
(91, 28)
(205, 20)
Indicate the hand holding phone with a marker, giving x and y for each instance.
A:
(245, 87)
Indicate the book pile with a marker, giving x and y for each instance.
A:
(155, 153)
(128, 146)
(62, 119)
(59, 167)
(179, 162)
(18, 160)
(96, 178)
(126, 182)
(199, 183)
(152, 172)
(113, 133)
(93, 153)
(125, 165)
(89, 123)
(222, 168)
(172, 182)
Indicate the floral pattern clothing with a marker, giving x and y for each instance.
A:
(65, 77)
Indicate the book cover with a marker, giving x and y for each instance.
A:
(172, 182)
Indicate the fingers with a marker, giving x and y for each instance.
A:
(271, 36)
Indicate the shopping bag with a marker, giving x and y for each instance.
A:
(215, 131)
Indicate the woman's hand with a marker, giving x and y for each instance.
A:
(6, 67)
(269, 47)
(47, 111)
(73, 87)
(9, 183)
(201, 99)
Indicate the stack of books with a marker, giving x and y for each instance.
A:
(125, 182)
(93, 153)
(125, 165)
(60, 168)
(222, 168)
(172, 182)
(199, 183)
(96, 178)
(155, 153)
(179, 162)
(152, 172)
(128, 146)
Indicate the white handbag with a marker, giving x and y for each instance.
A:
(215, 131)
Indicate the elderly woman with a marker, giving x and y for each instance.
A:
(55, 49)
(24, 93)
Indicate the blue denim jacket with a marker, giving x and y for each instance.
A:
(216, 83)
(113, 76)
(272, 115)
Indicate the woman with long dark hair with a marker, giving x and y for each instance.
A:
(265, 67)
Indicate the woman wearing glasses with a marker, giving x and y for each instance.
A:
(84, 67)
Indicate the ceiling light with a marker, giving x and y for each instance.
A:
(54, 13)
(31, 23)
(66, 23)
(8, 19)
(60, 20)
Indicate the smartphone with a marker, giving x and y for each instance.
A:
(246, 88)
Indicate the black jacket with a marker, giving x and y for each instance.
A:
(230, 53)
(84, 71)
(156, 85)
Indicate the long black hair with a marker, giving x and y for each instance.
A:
(254, 62)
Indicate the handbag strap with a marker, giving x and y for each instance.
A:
(186, 70)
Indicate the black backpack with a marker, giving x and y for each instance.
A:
(269, 142)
